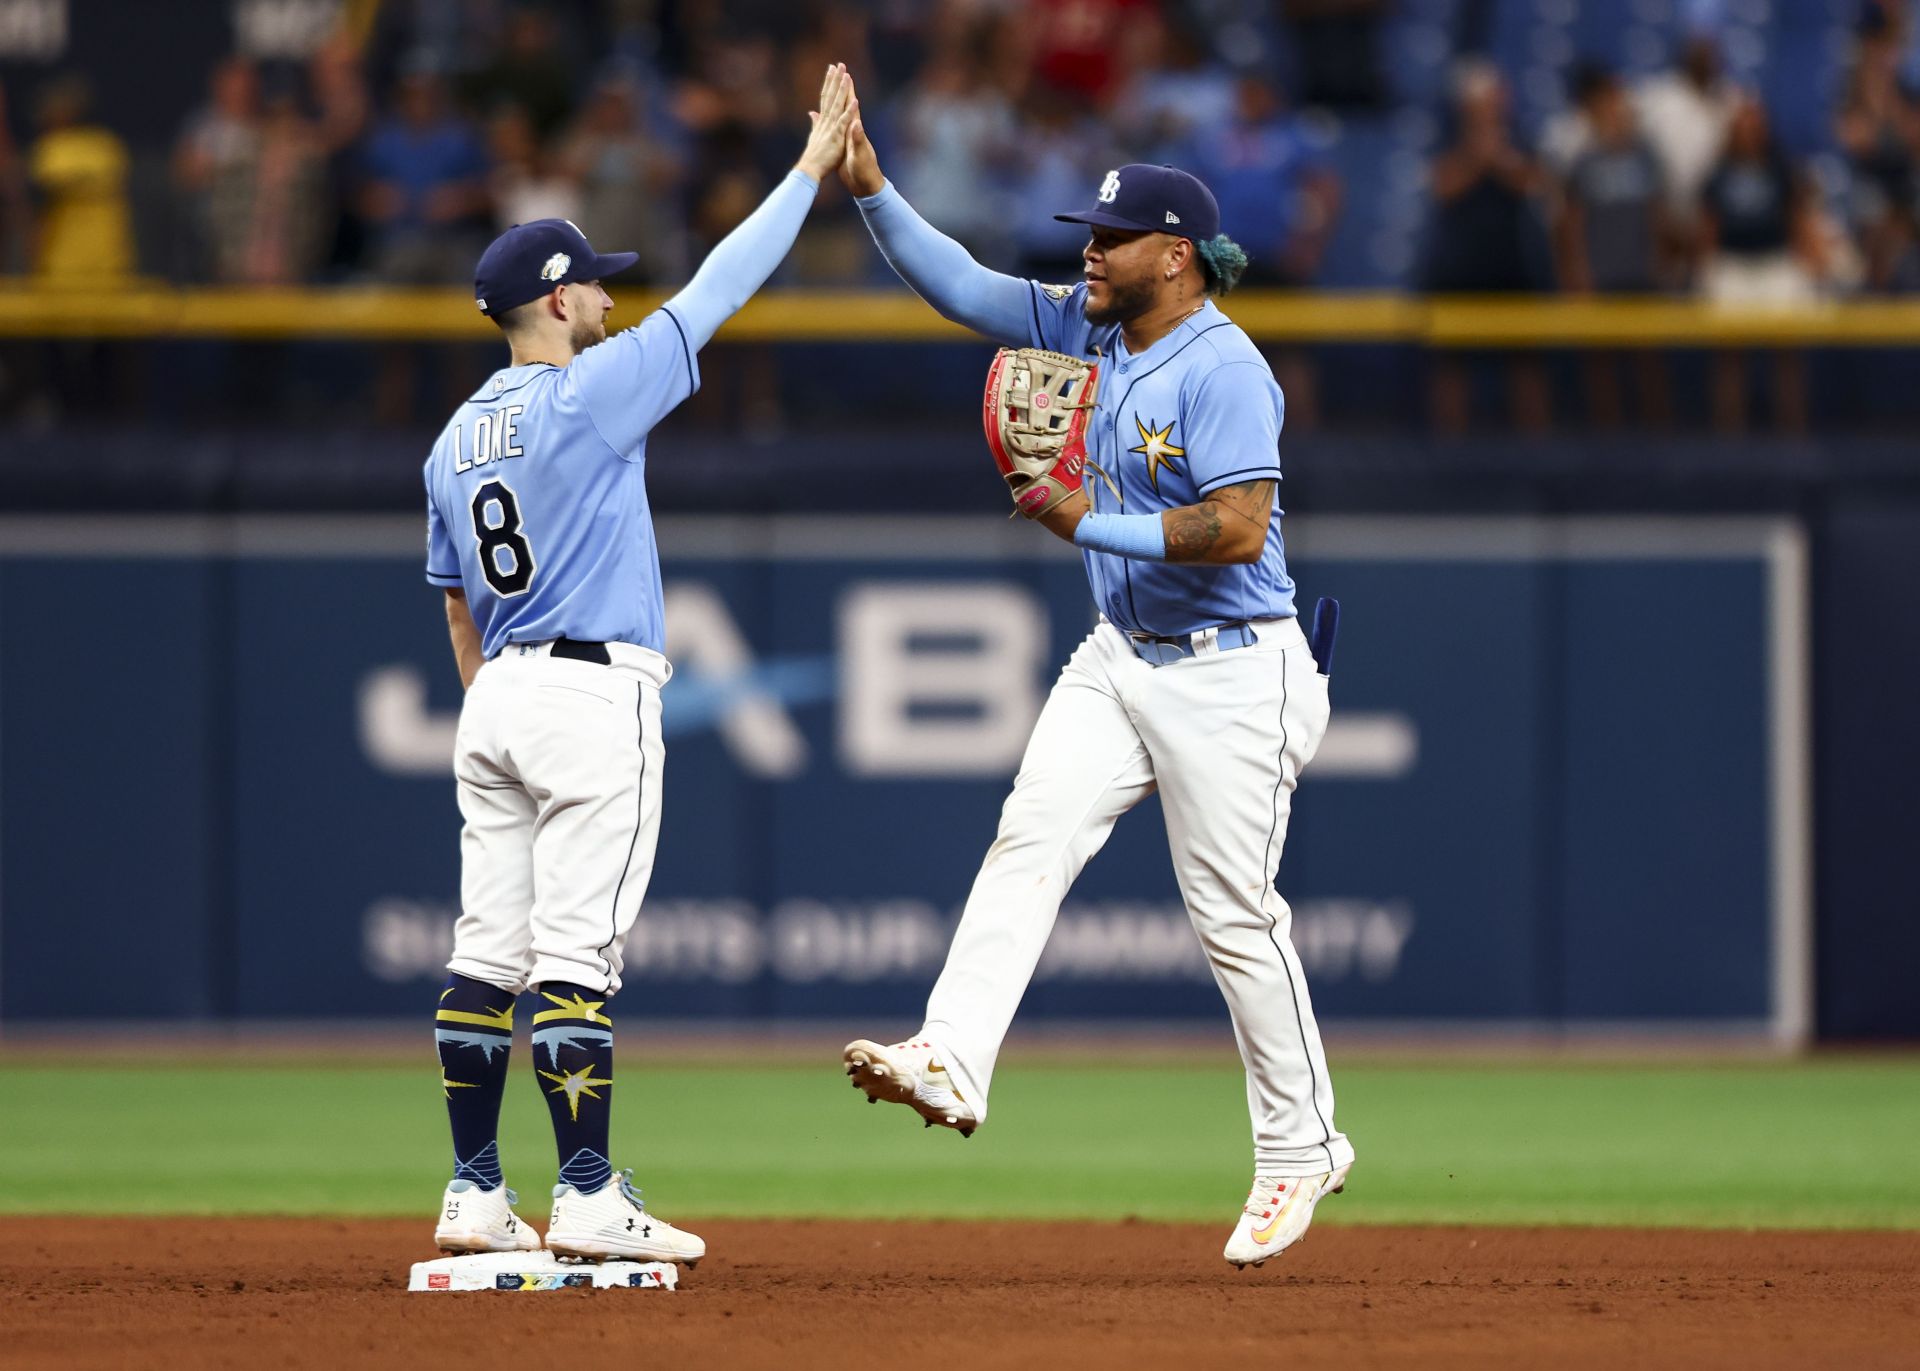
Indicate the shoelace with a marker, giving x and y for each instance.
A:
(1267, 1195)
(627, 1189)
(512, 1199)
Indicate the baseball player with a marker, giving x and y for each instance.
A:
(539, 533)
(1196, 682)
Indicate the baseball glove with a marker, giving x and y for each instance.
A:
(1036, 411)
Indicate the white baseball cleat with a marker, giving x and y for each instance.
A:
(476, 1220)
(1277, 1214)
(613, 1224)
(909, 1074)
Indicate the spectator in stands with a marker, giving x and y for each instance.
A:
(528, 71)
(1485, 238)
(79, 172)
(1175, 86)
(1609, 236)
(337, 77)
(424, 196)
(1877, 127)
(270, 205)
(955, 128)
(1760, 250)
(221, 137)
(1078, 47)
(1685, 113)
(526, 183)
(1064, 149)
(1569, 131)
(1339, 48)
(629, 182)
(1273, 185)
(15, 223)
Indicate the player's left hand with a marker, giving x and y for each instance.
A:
(827, 144)
(1035, 412)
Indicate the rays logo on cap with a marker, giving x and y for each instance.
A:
(556, 267)
(1110, 188)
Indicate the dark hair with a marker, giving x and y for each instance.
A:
(517, 319)
(1221, 261)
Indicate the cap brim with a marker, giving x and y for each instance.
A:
(607, 264)
(1105, 220)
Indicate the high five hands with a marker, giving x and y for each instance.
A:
(860, 169)
(826, 146)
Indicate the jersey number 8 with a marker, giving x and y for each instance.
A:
(505, 559)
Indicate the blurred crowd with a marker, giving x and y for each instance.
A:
(659, 125)
(395, 161)
(392, 157)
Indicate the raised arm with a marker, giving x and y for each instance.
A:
(939, 270)
(742, 261)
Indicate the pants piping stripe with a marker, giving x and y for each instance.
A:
(1273, 927)
(639, 821)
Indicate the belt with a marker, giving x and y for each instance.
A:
(1155, 650)
(571, 648)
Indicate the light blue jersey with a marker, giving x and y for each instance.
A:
(536, 488)
(537, 497)
(1197, 411)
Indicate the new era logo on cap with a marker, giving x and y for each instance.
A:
(1163, 199)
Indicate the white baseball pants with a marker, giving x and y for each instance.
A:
(559, 765)
(1223, 736)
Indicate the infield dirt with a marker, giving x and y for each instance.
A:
(248, 1293)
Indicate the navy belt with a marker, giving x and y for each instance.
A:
(1155, 650)
(577, 651)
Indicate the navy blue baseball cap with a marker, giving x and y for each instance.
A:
(1157, 199)
(531, 260)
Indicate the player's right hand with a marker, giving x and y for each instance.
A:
(860, 168)
(827, 144)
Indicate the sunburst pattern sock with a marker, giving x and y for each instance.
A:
(473, 1029)
(573, 1056)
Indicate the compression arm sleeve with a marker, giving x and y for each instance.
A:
(944, 274)
(741, 262)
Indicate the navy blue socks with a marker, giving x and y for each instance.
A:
(474, 1032)
(573, 1056)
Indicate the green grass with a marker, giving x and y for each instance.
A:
(1817, 1144)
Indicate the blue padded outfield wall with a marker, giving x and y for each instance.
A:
(1566, 781)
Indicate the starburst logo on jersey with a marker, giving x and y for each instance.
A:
(1156, 448)
(1110, 188)
(556, 267)
(575, 1084)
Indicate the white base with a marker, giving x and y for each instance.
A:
(538, 1271)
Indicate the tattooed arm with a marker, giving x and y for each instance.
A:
(1230, 525)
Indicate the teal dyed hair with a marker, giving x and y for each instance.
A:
(1222, 261)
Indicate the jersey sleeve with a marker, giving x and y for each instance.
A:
(1233, 427)
(443, 564)
(633, 380)
(1058, 316)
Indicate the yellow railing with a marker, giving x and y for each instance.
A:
(147, 310)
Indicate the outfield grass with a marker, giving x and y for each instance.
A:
(1819, 1144)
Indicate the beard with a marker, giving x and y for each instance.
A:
(1123, 303)
(584, 335)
